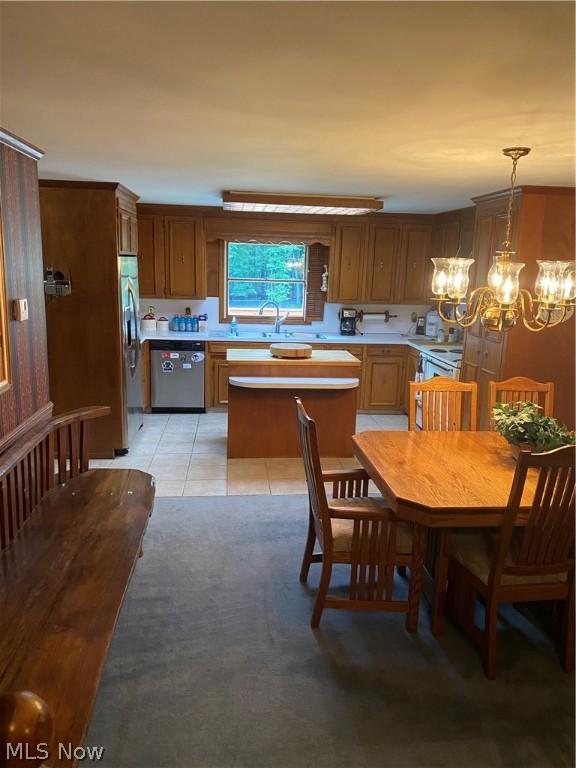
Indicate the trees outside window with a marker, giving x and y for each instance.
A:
(259, 272)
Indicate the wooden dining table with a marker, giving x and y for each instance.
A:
(442, 481)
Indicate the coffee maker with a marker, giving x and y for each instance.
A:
(348, 319)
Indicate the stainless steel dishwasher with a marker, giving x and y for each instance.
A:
(177, 375)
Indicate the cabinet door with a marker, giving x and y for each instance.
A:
(471, 357)
(151, 274)
(219, 381)
(409, 375)
(133, 223)
(451, 239)
(124, 231)
(489, 370)
(413, 285)
(382, 383)
(185, 258)
(381, 261)
(346, 264)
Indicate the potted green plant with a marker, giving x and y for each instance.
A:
(526, 428)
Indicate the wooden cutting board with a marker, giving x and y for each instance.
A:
(290, 350)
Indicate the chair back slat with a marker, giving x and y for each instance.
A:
(546, 544)
(523, 390)
(57, 451)
(442, 404)
(313, 471)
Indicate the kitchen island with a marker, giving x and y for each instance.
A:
(261, 410)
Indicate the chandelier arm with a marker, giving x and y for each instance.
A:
(531, 320)
(464, 319)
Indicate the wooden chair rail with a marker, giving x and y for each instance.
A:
(442, 403)
(347, 483)
(27, 468)
(521, 389)
(69, 542)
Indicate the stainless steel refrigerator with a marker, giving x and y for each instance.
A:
(93, 341)
(131, 350)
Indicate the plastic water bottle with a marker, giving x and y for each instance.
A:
(189, 323)
(234, 327)
(194, 323)
(182, 323)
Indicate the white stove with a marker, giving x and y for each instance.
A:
(441, 360)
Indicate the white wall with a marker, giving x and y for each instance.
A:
(401, 324)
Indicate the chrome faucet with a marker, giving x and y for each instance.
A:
(279, 320)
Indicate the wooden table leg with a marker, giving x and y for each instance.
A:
(415, 589)
(440, 578)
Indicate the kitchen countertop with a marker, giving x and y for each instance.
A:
(421, 344)
(318, 357)
(290, 382)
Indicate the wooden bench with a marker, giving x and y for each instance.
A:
(69, 540)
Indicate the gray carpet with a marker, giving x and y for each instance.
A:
(213, 664)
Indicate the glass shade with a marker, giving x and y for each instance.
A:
(458, 277)
(555, 282)
(569, 282)
(504, 279)
(440, 276)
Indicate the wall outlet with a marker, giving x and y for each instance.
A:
(20, 310)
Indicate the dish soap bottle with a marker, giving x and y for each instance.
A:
(234, 327)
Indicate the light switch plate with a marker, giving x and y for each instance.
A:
(20, 310)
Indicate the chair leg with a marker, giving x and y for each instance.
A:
(415, 588)
(440, 584)
(321, 596)
(567, 652)
(308, 549)
(489, 644)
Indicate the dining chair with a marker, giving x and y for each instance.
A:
(517, 564)
(442, 402)
(521, 389)
(356, 530)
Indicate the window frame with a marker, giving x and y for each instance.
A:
(292, 319)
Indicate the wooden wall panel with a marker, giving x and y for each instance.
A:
(27, 401)
(546, 232)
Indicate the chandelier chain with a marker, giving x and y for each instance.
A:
(507, 242)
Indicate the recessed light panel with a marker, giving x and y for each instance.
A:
(259, 202)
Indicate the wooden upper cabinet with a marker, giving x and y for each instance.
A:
(450, 239)
(185, 257)
(127, 222)
(151, 272)
(347, 263)
(414, 274)
(381, 261)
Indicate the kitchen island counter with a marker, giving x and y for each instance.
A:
(318, 357)
(261, 409)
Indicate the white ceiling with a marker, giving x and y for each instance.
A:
(405, 100)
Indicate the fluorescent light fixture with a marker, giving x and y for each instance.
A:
(267, 202)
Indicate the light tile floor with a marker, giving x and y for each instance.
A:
(187, 455)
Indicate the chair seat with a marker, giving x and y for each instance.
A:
(342, 529)
(475, 550)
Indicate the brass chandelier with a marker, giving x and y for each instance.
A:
(500, 304)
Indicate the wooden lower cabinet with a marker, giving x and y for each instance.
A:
(382, 385)
(383, 377)
(412, 357)
(219, 391)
